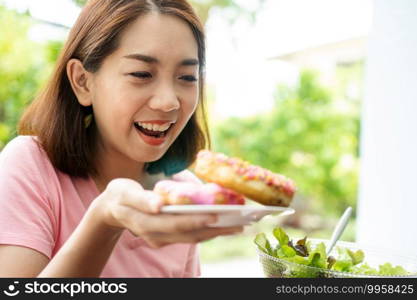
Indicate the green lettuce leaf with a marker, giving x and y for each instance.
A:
(285, 252)
(281, 236)
(364, 269)
(357, 257)
(342, 265)
(388, 269)
(318, 257)
(263, 244)
(299, 260)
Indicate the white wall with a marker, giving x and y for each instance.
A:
(387, 210)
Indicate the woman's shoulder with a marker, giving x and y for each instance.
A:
(23, 150)
(24, 162)
(21, 144)
(22, 140)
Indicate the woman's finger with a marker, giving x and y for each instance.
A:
(131, 193)
(145, 201)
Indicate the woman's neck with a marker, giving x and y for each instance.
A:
(113, 165)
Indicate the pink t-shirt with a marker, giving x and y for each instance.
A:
(40, 207)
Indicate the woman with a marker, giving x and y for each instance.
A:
(118, 114)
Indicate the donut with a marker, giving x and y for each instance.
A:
(185, 192)
(254, 182)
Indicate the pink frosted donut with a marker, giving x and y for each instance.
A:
(184, 192)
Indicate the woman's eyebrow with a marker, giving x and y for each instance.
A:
(141, 57)
(190, 62)
(149, 59)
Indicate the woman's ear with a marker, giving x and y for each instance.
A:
(80, 80)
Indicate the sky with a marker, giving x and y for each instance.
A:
(239, 71)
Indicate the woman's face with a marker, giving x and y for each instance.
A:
(145, 92)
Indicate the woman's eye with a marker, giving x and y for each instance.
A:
(189, 78)
(142, 75)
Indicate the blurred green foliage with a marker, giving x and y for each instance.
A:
(310, 136)
(24, 66)
(80, 2)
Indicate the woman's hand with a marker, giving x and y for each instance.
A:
(126, 205)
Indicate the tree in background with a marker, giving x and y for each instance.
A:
(310, 136)
(24, 66)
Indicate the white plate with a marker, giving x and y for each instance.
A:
(230, 215)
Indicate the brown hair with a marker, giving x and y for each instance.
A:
(56, 117)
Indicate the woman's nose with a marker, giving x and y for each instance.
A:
(164, 99)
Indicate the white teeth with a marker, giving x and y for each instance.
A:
(154, 127)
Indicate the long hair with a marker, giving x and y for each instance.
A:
(56, 117)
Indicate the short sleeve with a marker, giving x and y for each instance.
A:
(26, 214)
(192, 268)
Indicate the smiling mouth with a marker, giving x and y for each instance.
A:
(153, 133)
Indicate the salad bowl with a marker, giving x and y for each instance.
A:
(346, 260)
